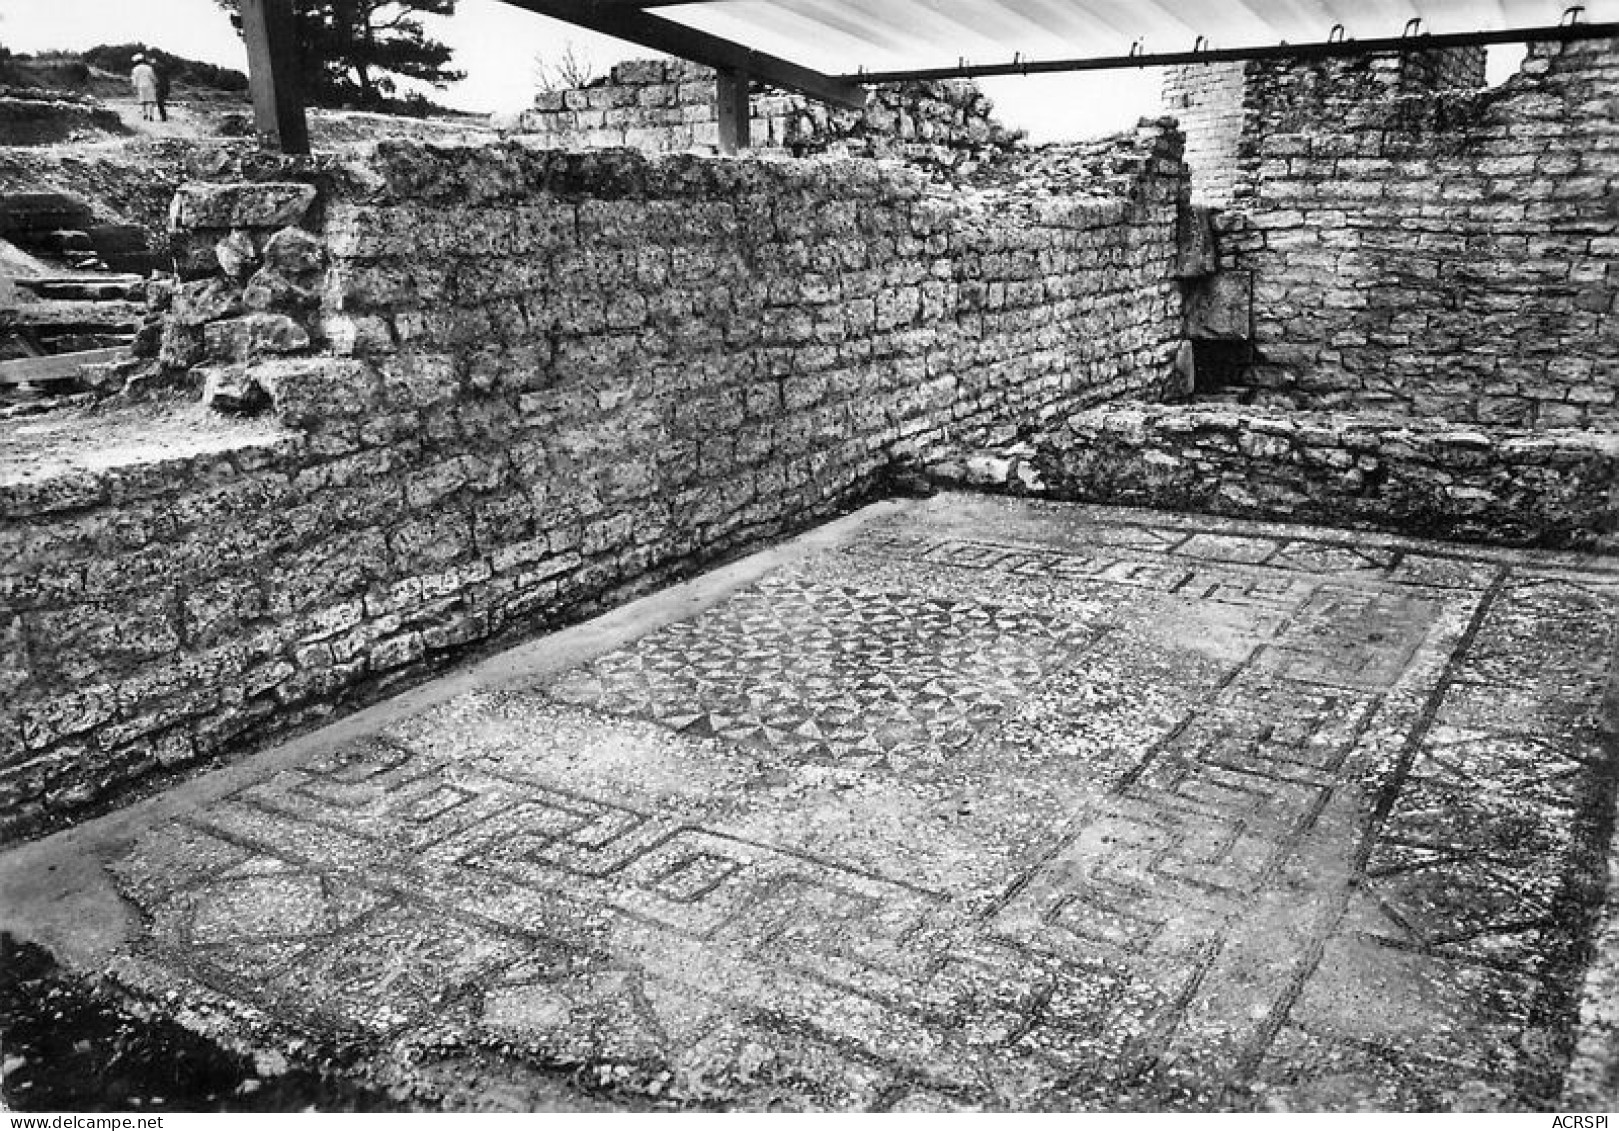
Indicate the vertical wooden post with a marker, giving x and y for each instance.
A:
(735, 115)
(273, 72)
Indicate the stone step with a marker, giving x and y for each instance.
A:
(79, 340)
(24, 213)
(122, 247)
(64, 241)
(116, 237)
(68, 315)
(88, 287)
(62, 227)
(140, 261)
(60, 326)
(58, 367)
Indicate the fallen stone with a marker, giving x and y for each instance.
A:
(987, 470)
(232, 389)
(1028, 476)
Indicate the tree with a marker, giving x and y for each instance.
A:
(570, 70)
(352, 50)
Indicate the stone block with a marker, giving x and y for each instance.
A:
(269, 290)
(232, 389)
(1218, 308)
(295, 254)
(311, 391)
(223, 206)
(253, 335)
(237, 255)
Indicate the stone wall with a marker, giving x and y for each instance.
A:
(660, 106)
(1450, 256)
(1207, 100)
(35, 116)
(1218, 105)
(502, 387)
(1558, 488)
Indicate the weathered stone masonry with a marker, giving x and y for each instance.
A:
(1438, 271)
(1223, 108)
(1437, 479)
(509, 386)
(668, 106)
(1451, 256)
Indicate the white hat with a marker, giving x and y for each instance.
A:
(139, 58)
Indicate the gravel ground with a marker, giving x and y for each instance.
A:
(67, 1044)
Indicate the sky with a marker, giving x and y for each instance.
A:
(497, 45)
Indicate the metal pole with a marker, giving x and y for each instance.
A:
(734, 112)
(1330, 49)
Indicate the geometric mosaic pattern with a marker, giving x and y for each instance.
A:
(1029, 807)
(828, 673)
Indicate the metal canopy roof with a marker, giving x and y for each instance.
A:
(828, 48)
(846, 36)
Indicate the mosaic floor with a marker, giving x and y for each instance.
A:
(988, 805)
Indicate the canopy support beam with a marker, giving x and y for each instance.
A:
(630, 23)
(272, 67)
(1323, 50)
(735, 114)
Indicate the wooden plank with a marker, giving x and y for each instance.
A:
(735, 113)
(633, 25)
(65, 313)
(272, 67)
(35, 282)
(55, 367)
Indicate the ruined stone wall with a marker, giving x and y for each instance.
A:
(1219, 104)
(34, 116)
(1433, 479)
(1207, 100)
(669, 106)
(504, 387)
(1453, 256)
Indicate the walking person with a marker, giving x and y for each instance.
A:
(144, 79)
(162, 94)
